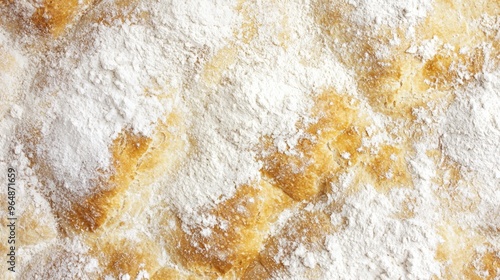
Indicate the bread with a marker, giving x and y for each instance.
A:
(251, 140)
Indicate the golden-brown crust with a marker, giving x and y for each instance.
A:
(93, 211)
(235, 242)
(307, 228)
(338, 130)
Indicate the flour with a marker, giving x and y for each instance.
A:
(195, 23)
(426, 50)
(392, 13)
(69, 258)
(27, 8)
(373, 245)
(93, 101)
(14, 75)
(471, 129)
(129, 74)
(119, 83)
(470, 137)
(235, 116)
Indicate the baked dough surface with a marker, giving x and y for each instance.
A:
(125, 231)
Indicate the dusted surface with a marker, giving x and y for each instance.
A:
(252, 140)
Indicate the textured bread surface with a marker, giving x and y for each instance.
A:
(127, 227)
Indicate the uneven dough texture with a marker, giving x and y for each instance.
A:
(104, 224)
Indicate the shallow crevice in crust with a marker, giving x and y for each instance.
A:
(89, 212)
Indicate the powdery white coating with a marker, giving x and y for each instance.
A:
(14, 74)
(94, 100)
(471, 128)
(470, 136)
(93, 94)
(391, 13)
(26, 8)
(13, 67)
(68, 258)
(119, 83)
(29, 204)
(268, 92)
(426, 50)
(374, 245)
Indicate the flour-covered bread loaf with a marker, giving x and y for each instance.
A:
(323, 139)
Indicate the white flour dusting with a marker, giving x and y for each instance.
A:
(471, 129)
(268, 92)
(91, 102)
(128, 76)
(15, 74)
(120, 82)
(374, 245)
(391, 13)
